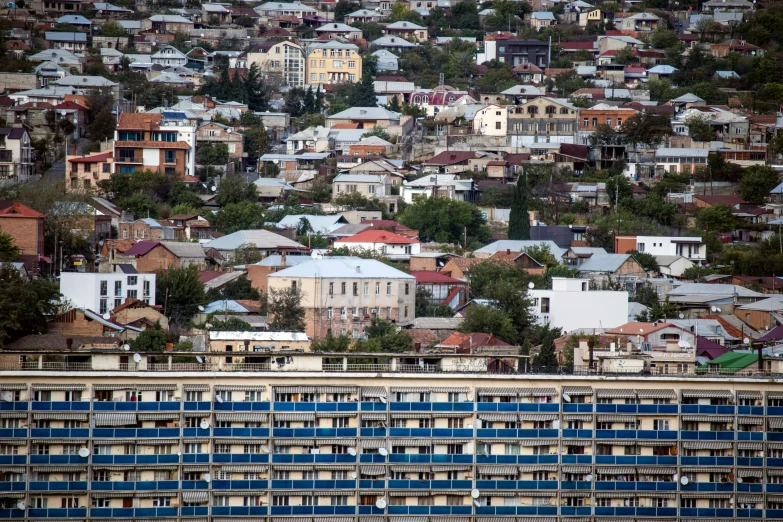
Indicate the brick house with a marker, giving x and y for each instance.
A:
(218, 133)
(144, 141)
(26, 227)
(148, 228)
(193, 226)
(151, 256)
(85, 172)
(140, 314)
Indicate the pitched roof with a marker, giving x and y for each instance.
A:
(137, 120)
(378, 236)
(432, 277)
(468, 340)
(15, 209)
(604, 262)
(715, 200)
(714, 289)
(142, 248)
(261, 239)
(345, 268)
(451, 157)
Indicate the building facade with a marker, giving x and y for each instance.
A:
(333, 62)
(103, 292)
(149, 141)
(284, 59)
(543, 120)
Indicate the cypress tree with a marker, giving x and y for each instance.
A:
(546, 360)
(519, 220)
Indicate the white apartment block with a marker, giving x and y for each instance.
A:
(101, 292)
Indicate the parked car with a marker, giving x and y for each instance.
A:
(725, 237)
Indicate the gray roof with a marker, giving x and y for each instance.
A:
(772, 304)
(365, 13)
(129, 24)
(437, 323)
(705, 327)
(55, 36)
(404, 25)
(277, 260)
(170, 77)
(359, 178)
(85, 81)
(223, 279)
(338, 27)
(543, 15)
(322, 224)
(185, 249)
(349, 230)
(73, 20)
(687, 98)
(604, 262)
(365, 113)
(262, 239)
(345, 268)
(393, 41)
(727, 74)
(105, 6)
(669, 260)
(520, 246)
(285, 6)
(176, 19)
(681, 152)
(635, 309)
(716, 289)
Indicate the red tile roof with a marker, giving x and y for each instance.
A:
(142, 248)
(475, 340)
(16, 209)
(429, 277)
(137, 120)
(153, 145)
(208, 275)
(378, 236)
(451, 157)
(93, 158)
(715, 200)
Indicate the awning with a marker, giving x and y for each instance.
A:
(626, 494)
(13, 442)
(13, 386)
(373, 392)
(374, 416)
(707, 394)
(311, 467)
(373, 443)
(755, 421)
(706, 445)
(411, 468)
(240, 387)
(156, 387)
(615, 418)
(410, 443)
(532, 468)
(337, 389)
(749, 394)
(112, 387)
(704, 469)
(238, 493)
(577, 390)
(334, 414)
(537, 392)
(575, 494)
(413, 493)
(750, 499)
(62, 469)
(241, 417)
(295, 416)
(498, 470)
(708, 418)
(656, 471)
(757, 473)
(497, 392)
(112, 494)
(654, 443)
(576, 469)
(158, 416)
(59, 387)
(529, 443)
(584, 417)
(411, 415)
(656, 394)
(71, 442)
(60, 416)
(451, 414)
(373, 471)
(198, 441)
(411, 389)
(296, 389)
(294, 442)
(114, 419)
(577, 442)
(244, 469)
(499, 417)
(153, 494)
(538, 417)
(195, 496)
(750, 445)
(450, 389)
(707, 495)
(186, 468)
(195, 387)
(335, 442)
(619, 470)
(615, 393)
(155, 442)
(13, 415)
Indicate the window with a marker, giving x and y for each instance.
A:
(356, 289)
(661, 425)
(407, 290)
(388, 289)
(193, 448)
(377, 289)
(342, 288)
(338, 500)
(279, 500)
(366, 289)
(456, 423)
(194, 396)
(331, 288)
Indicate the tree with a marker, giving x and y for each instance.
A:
(519, 219)
(150, 340)
(546, 360)
(604, 135)
(618, 189)
(388, 337)
(239, 288)
(180, 292)
(424, 308)
(663, 38)
(8, 250)
(231, 324)
(363, 93)
(647, 260)
(24, 305)
(717, 218)
(344, 7)
(103, 125)
(700, 128)
(756, 183)
(232, 217)
(647, 128)
(113, 29)
(625, 56)
(487, 319)
(234, 189)
(212, 154)
(443, 220)
(331, 343)
(645, 294)
(285, 309)
(256, 142)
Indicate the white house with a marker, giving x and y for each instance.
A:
(492, 120)
(393, 246)
(443, 185)
(170, 57)
(691, 248)
(571, 305)
(101, 292)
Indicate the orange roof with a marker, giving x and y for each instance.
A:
(137, 120)
(378, 236)
(16, 209)
(345, 126)
(153, 145)
(637, 328)
(92, 158)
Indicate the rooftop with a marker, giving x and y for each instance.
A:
(343, 268)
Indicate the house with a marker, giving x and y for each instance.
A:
(363, 16)
(347, 67)
(257, 347)
(167, 24)
(394, 43)
(102, 292)
(692, 248)
(740, 47)
(170, 56)
(213, 133)
(162, 143)
(26, 228)
(761, 314)
(541, 19)
(368, 185)
(262, 241)
(387, 61)
(280, 59)
(680, 160)
(339, 31)
(365, 117)
(512, 245)
(491, 120)
(521, 260)
(543, 120)
(527, 72)
(571, 305)
(271, 190)
(602, 114)
(407, 30)
(318, 224)
(563, 236)
(16, 155)
(440, 185)
(473, 343)
(134, 312)
(574, 256)
(612, 265)
(640, 22)
(276, 9)
(342, 295)
(74, 42)
(153, 256)
(449, 162)
(703, 298)
(514, 51)
(394, 246)
(673, 266)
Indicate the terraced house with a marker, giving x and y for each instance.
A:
(299, 437)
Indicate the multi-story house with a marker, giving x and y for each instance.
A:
(543, 120)
(167, 23)
(16, 155)
(440, 185)
(84, 173)
(276, 9)
(333, 62)
(101, 292)
(218, 133)
(394, 246)
(640, 22)
(681, 160)
(338, 30)
(368, 185)
(572, 305)
(148, 228)
(74, 42)
(601, 114)
(342, 295)
(283, 59)
(407, 30)
(170, 56)
(491, 120)
(366, 118)
(692, 248)
(26, 227)
(148, 141)
(363, 16)
(516, 51)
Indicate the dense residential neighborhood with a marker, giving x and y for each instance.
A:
(391, 261)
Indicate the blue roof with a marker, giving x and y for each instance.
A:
(225, 306)
(174, 115)
(73, 20)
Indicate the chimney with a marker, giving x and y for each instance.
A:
(147, 125)
(508, 251)
(69, 344)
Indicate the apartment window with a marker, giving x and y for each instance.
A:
(331, 288)
(661, 424)
(279, 500)
(329, 313)
(194, 396)
(377, 289)
(406, 312)
(309, 500)
(366, 289)
(407, 290)
(193, 448)
(388, 289)
(342, 288)
(356, 289)
(104, 288)
(340, 422)
(456, 423)
(133, 280)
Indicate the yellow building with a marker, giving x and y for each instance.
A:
(333, 62)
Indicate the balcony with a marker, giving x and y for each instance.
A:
(430, 484)
(635, 512)
(372, 484)
(430, 510)
(636, 460)
(313, 484)
(241, 432)
(635, 486)
(152, 485)
(709, 435)
(636, 434)
(370, 458)
(18, 460)
(309, 433)
(373, 406)
(12, 513)
(242, 406)
(194, 511)
(323, 458)
(581, 511)
(55, 513)
(57, 459)
(307, 510)
(190, 485)
(706, 461)
(372, 432)
(577, 434)
(516, 510)
(705, 409)
(746, 487)
(58, 486)
(401, 458)
(136, 406)
(569, 407)
(59, 433)
(132, 512)
(198, 406)
(61, 406)
(750, 435)
(547, 433)
(13, 486)
(576, 459)
(709, 512)
(531, 407)
(750, 513)
(529, 485)
(516, 459)
(649, 409)
(134, 433)
(431, 406)
(240, 458)
(135, 459)
(576, 485)
(709, 487)
(236, 484)
(14, 406)
(756, 411)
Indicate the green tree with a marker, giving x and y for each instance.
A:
(212, 154)
(444, 220)
(239, 288)
(150, 340)
(230, 324)
(332, 344)
(700, 128)
(647, 128)
(388, 337)
(626, 56)
(487, 319)
(647, 260)
(24, 305)
(363, 93)
(234, 189)
(102, 126)
(519, 220)
(344, 7)
(245, 215)
(645, 294)
(424, 308)
(618, 189)
(717, 218)
(256, 142)
(546, 360)
(113, 29)
(8, 250)
(756, 183)
(663, 38)
(180, 292)
(285, 309)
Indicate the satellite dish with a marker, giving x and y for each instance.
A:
(383, 451)
(264, 448)
(380, 503)
(126, 347)
(219, 399)
(714, 308)
(531, 285)
(352, 452)
(179, 453)
(353, 475)
(383, 399)
(589, 478)
(684, 481)
(681, 315)
(199, 359)
(84, 453)
(21, 505)
(718, 309)
(641, 330)
(681, 343)
(207, 478)
(137, 357)
(566, 397)
(107, 315)
(746, 340)
(200, 308)
(204, 425)
(475, 493)
(477, 503)
(739, 480)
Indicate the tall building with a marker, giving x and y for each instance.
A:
(410, 437)
(283, 59)
(161, 142)
(333, 62)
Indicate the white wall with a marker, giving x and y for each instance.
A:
(572, 309)
(393, 249)
(83, 290)
(664, 246)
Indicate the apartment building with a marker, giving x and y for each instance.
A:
(571, 305)
(103, 292)
(543, 120)
(213, 133)
(16, 154)
(342, 295)
(150, 441)
(395, 247)
(333, 62)
(161, 142)
(285, 60)
(689, 247)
